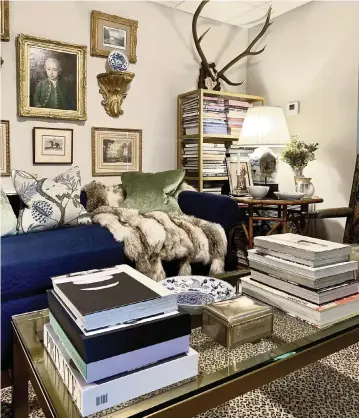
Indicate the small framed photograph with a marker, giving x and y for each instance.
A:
(4, 20)
(5, 148)
(239, 176)
(109, 32)
(52, 146)
(52, 78)
(116, 151)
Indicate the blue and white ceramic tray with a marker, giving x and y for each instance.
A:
(193, 292)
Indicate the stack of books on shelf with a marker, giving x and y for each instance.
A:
(307, 277)
(190, 115)
(115, 335)
(236, 111)
(213, 155)
(214, 116)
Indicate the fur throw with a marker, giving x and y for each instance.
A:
(154, 237)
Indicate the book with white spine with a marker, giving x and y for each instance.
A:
(306, 250)
(289, 272)
(310, 272)
(90, 398)
(321, 316)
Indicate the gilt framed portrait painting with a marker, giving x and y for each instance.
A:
(52, 78)
(109, 32)
(116, 151)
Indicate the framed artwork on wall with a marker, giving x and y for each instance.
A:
(5, 148)
(116, 151)
(4, 20)
(52, 146)
(109, 32)
(238, 185)
(52, 78)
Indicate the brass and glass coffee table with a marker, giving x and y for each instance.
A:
(223, 374)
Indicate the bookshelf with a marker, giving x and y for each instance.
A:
(199, 180)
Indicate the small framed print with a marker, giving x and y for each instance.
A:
(116, 151)
(5, 148)
(4, 20)
(109, 32)
(239, 176)
(52, 146)
(52, 78)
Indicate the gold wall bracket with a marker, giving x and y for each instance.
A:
(113, 87)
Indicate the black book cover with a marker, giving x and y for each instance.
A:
(118, 341)
(119, 290)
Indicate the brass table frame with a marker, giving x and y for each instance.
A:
(207, 392)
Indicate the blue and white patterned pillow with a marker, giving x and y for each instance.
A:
(50, 204)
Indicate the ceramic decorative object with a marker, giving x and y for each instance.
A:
(258, 192)
(214, 289)
(118, 61)
(304, 185)
(289, 196)
(264, 165)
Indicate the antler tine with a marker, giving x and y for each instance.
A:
(224, 78)
(197, 41)
(248, 51)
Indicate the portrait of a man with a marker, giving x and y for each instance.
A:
(53, 81)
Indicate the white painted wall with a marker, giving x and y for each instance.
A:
(167, 66)
(312, 56)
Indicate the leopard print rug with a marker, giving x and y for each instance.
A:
(326, 389)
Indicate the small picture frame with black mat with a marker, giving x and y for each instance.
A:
(52, 146)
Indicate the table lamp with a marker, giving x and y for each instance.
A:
(264, 127)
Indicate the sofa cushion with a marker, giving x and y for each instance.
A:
(50, 204)
(29, 261)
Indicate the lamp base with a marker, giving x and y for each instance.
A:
(273, 187)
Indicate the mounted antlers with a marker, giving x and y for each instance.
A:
(208, 71)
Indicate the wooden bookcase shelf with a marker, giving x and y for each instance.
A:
(198, 181)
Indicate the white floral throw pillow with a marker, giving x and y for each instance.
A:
(50, 204)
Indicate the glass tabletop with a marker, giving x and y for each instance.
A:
(217, 365)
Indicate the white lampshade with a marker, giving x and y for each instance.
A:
(264, 125)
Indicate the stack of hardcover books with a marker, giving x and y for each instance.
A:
(190, 115)
(236, 111)
(115, 335)
(213, 156)
(307, 277)
(214, 116)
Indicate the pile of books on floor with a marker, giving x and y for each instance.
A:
(115, 335)
(190, 115)
(236, 111)
(214, 116)
(213, 155)
(309, 278)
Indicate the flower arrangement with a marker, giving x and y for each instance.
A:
(298, 154)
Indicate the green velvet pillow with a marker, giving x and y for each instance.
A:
(148, 192)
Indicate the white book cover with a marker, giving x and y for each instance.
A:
(311, 272)
(302, 247)
(94, 397)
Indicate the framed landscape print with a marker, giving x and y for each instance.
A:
(109, 32)
(52, 146)
(116, 151)
(238, 185)
(4, 20)
(52, 78)
(5, 147)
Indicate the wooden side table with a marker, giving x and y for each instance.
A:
(285, 213)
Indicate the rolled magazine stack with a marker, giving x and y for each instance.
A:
(307, 277)
(115, 335)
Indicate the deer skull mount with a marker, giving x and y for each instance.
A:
(209, 78)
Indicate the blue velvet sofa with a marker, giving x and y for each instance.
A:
(29, 261)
